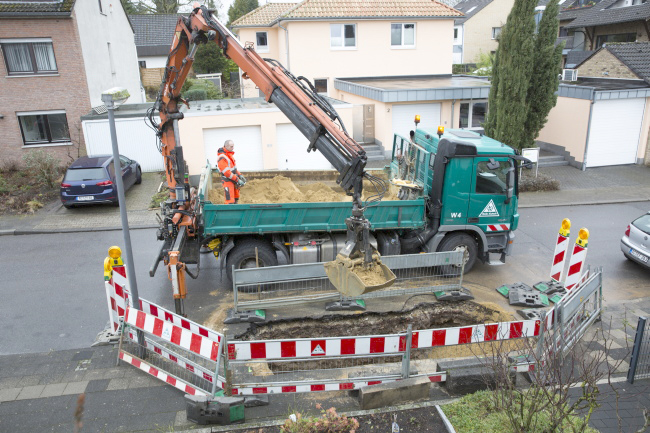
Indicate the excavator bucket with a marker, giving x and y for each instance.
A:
(351, 278)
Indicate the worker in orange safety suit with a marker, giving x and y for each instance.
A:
(231, 179)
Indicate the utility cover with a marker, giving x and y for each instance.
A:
(490, 210)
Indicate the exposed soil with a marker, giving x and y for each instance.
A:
(422, 316)
(21, 193)
(281, 189)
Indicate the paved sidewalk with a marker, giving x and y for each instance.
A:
(601, 185)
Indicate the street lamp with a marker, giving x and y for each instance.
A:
(110, 98)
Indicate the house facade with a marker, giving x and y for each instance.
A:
(57, 58)
(586, 26)
(322, 40)
(153, 39)
(478, 30)
(604, 119)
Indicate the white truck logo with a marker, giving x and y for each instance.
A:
(456, 214)
(490, 210)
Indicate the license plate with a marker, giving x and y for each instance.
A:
(639, 256)
(86, 198)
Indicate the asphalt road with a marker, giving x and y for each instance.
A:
(53, 294)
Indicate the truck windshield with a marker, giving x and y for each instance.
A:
(491, 181)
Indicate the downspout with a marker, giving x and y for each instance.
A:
(453, 102)
(591, 111)
(286, 43)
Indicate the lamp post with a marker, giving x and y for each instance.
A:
(109, 98)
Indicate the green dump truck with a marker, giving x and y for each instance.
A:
(458, 191)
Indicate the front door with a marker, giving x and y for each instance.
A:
(487, 202)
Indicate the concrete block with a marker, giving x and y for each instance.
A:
(469, 380)
(9, 394)
(393, 393)
(459, 363)
(30, 392)
(75, 388)
(53, 390)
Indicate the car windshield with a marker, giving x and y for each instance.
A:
(643, 224)
(85, 174)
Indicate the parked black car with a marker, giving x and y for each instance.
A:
(91, 179)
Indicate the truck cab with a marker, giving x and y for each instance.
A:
(470, 183)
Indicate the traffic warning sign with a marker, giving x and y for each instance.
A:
(490, 210)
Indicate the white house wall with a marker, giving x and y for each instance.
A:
(96, 30)
(195, 128)
(134, 140)
(154, 61)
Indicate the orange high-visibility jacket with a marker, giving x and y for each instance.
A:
(226, 164)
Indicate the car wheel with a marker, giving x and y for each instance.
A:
(459, 242)
(115, 203)
(243, 256)
(138, 176)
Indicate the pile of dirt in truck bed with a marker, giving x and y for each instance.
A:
(281, 189)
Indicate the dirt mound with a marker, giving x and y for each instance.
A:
(281, 189)
(422, 316)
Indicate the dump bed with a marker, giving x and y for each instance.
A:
(301, 217)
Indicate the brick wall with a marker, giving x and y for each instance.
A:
(67, 91)
(605, 64)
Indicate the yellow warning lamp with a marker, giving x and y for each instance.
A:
(417, 119)
(441, 130)
(114, 259)
(566, 227)
(583, 237)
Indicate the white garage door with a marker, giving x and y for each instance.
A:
(404, 115)
(615, 131)
(292, 151)
(248, 146)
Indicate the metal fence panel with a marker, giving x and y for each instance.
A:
(260, 288)
(640, 362)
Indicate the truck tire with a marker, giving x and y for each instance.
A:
(243, 255)
(459, 242)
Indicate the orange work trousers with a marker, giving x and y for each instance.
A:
(231, 191)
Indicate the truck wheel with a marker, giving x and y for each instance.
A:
(459, 242)
(243, 256)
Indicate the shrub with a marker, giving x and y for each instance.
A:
(197, 90)
(4, 185)
(158, 198)
(328, 422)
(195, 94)
(530, 183)
(43, 167)
(10, 166)
(34, 205)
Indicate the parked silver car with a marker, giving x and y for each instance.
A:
(635, 244)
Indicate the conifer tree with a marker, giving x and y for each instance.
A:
(509, 105)
(544, 80)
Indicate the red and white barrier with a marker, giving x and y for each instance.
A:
(167, 378)
(561, 246)
(391, 344)
(497, 227)
(117, 295)
(578, 256)
(188, 340)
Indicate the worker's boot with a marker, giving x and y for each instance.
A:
(236, 200)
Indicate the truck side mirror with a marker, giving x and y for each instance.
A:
(510, 183)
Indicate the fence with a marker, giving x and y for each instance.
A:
(262, 288)
(640, 362)
(197, 360)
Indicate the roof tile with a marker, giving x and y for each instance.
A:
(603, 13)
(31, 7)
(324, 9)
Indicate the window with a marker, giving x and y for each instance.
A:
(142, 64)
(44, 127)
(455, 34)
(622, 37)
(496, 31)
(124, 161)
(24, 57)
(262, 42)
(472, 113)
(321, 85)
(343, 36)
(402, 35)
(491, 177)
